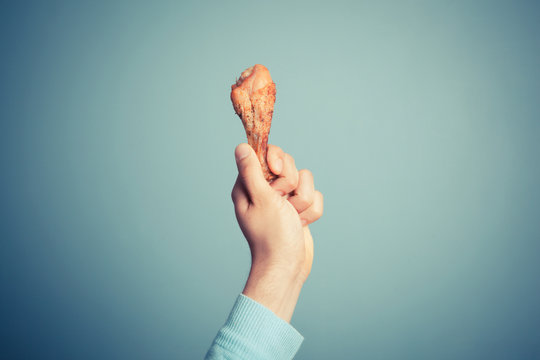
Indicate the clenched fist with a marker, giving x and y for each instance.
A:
(274, 218)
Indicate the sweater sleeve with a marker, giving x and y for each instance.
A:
(253, 331)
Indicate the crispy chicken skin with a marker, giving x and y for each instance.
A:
(253, 96)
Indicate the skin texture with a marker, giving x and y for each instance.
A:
(275, 225)
(253, 97)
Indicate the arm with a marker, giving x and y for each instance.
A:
(274, 218)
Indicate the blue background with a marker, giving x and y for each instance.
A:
(419, 119)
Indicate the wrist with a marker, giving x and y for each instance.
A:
(277, 265)
(276, 287)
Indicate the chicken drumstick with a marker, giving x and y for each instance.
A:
(253, 96)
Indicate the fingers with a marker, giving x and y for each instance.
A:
(250, 173)
(314, 212)
(304, 194)
(274, 157)
(288, 177)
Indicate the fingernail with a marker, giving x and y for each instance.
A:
(281, 192)
(279, 165)
(241, 152)
(304, 222)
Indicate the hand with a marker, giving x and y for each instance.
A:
(274, 219)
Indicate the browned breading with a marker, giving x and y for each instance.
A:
(253, 96)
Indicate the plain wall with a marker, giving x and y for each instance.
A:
(419, 119)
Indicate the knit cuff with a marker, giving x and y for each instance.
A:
(253, 331)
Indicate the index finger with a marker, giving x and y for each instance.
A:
(288, 179)
(274, 157)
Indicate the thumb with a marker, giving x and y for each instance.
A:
(250, 172)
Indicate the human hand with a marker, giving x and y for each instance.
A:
(274, 219)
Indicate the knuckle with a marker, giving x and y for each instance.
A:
(291, 182)
(299, 205)
(234, 192)
(274, 150)
(278, 149)
(319, 205)
(303, 199)
(289, 159)
(318, 212)
(244, 177)
(306, 174)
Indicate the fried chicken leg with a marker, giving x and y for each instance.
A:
(253, 96)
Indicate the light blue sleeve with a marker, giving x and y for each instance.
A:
(254, 332)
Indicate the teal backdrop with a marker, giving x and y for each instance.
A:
(420, 121)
